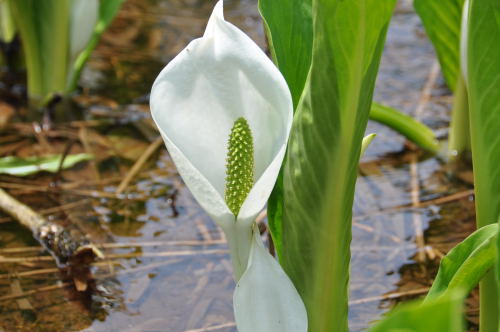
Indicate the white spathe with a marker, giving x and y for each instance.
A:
(265, 299)
(195, 100)
(83, 19)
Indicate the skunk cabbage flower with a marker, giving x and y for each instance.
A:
(195, 102)
(225, 112)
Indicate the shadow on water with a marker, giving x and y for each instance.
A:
(166, 266)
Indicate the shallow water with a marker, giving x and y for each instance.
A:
(167, 267)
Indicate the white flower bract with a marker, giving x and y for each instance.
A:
(195, 100)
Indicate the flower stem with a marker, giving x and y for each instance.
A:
(239, 238)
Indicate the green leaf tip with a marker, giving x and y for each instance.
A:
(239, 166)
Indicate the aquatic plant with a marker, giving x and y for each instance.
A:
(481, 58)
(443, 23)
(471, 261)
(313, 226)
(225, 112)
(57, 38)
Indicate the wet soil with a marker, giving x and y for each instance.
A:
(166, 266)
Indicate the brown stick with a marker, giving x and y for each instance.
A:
(138, 165)
(65, 248)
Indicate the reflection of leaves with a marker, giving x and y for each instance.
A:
(26, 166)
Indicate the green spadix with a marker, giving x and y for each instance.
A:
(240, 165)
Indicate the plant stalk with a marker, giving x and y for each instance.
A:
(239, 238)
(404, 124)
(459, 138)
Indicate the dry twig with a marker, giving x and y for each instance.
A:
(74, 252)
(138, 165)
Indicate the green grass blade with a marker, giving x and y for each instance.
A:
(322, 160)
(412, 129)
(483, 68)
(466, 264)
(31, 165)
(107, 11)
(442, 21)
(443, 314)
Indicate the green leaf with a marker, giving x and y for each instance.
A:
(497, 263)
(107, 11)
(31, 165)
(43, 27)
(412, 129)
(265, 299)
(290, 34)
(466, 264)
(323, 154)
(442, 21)
(7, 26)
(443, 314)
(483, 80)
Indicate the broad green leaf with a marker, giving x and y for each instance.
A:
(323, 155)
(290, 33)
(483, 81)
(44, 28)
(107, 11)
(288, 25)
(443, 314)
(442, 23)
(415, 131)
(466, 264)
(27, 166)
(265, 299)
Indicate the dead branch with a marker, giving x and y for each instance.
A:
(70, 250)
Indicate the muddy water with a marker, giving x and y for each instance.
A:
(167, 267)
